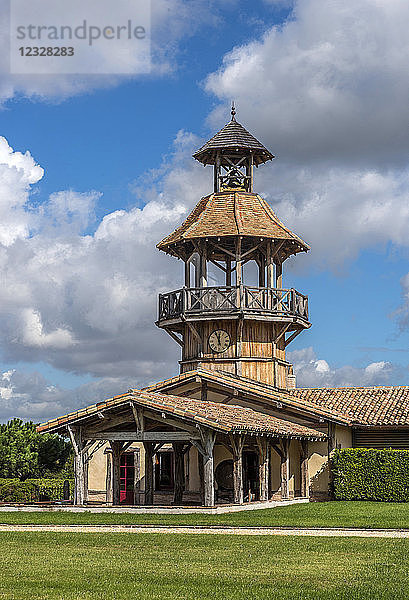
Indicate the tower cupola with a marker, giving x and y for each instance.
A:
(234, 152)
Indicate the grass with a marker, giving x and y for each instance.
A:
(66, 566)
(319, 514)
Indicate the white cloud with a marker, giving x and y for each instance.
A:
(86, 301)
(29, 396)
(314, 372)
(330, 84)
(172, 22)
(327, 92)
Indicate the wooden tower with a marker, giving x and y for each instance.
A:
(233, 326)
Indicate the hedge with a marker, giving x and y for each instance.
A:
(33, 490)
(369, 474)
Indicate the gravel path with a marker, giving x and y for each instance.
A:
(377, 533)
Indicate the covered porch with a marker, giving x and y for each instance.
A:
(207, 453)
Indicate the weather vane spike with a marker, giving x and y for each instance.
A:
(233, 111)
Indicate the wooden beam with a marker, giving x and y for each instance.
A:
(237, 443)
(228, 272)
(279, 275)
(75, 435)
(282, 332)
(179, 480)
(264, 466)
(108, 481)
(175, 337)
(285, 468)
(172, 422)
(208, 439)
(205, 448)
(149, 455)
(138, 416)
(270, 265)
(238, 262)
(194, 331)
(292, 337)
(137, 476)
(305, 478)
(146, 436)
(116, 460)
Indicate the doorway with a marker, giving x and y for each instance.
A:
(164, 471)
(250, 476)
(126, 478)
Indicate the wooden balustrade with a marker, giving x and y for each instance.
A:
(210, 300)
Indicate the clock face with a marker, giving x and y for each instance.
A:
(219, 340)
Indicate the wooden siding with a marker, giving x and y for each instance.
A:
(250, 340)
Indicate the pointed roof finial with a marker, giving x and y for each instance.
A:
(233, 111)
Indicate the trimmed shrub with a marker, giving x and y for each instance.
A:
(369, 474)
(33, 490)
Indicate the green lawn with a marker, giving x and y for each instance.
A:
(65, 566)
(319, 514)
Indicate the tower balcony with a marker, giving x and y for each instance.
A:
(227, 302)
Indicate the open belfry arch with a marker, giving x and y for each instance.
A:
(236, 327)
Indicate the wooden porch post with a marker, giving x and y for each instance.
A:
(85, 463)
(149, 454)
(205, 448)
(305, 478)
(228, 272)
(116, 459)
(208, 468)
(137, 476)
(78, 445)
(264, 464)
(237, 443)
(201, 476)
(179, 472)
(270, 265)
(109, 478)
(285, 468)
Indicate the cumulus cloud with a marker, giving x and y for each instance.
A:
(327, 92)
(84, 299)
(329, 84)
(316, 372)
(172, 22)
(30, 396)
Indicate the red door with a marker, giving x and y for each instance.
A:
(127, 473)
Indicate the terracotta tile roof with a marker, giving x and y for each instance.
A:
(220, 417)
(249, 387)
(374, 406)
(233, 213)
(233, 135)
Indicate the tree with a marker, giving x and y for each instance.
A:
(26, 454)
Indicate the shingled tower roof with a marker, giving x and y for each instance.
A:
(233, 213)
(233, 136)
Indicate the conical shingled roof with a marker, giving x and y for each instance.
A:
(232, 213)
(232, 136)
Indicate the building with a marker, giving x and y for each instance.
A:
(232, 426)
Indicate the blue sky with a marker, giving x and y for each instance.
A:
(325, 88)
